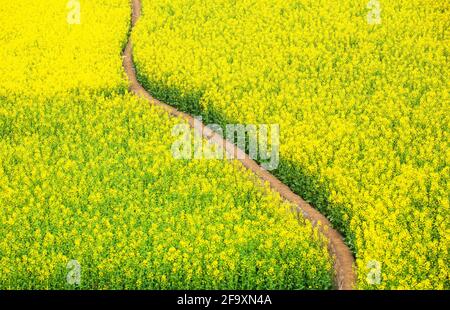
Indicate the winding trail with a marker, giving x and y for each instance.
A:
(345, 276)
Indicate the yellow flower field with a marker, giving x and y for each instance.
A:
(88, 181)
(39, 42)
(362, 102)
(89, 178)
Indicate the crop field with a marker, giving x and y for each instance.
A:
(363, 110)
(93, 195)
(87, 176)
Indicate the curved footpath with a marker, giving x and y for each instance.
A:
(345, 277)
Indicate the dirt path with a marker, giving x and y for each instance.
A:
(343, 259)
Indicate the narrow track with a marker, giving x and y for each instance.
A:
(345, 277)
